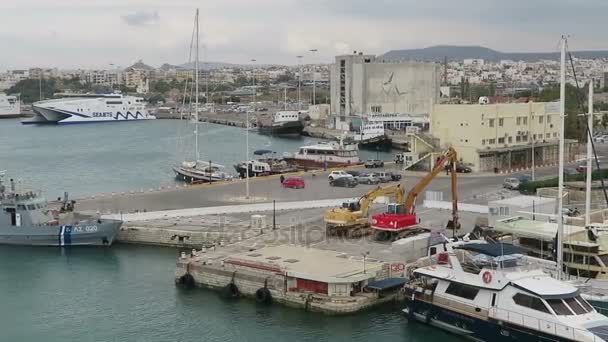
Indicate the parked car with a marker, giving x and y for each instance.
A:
(367, 178)
(511, 183)
(394, 176)
(602, 138)
(294, 183)
(524, 178)
(384, 176)
(461, 168)
(344, 182)
(581, 168)
(354, 173)
(373, 163)
(338, 174)
(569, 171)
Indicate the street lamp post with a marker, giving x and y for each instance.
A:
(314, 79)
(247, 137)
(299, 82)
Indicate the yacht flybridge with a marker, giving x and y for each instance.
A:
(489, 292)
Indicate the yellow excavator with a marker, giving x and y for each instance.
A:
(401, 216)
(351, 220)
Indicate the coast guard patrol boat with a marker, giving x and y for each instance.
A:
(26, 219)
(86, 108)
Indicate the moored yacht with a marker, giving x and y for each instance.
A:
(201, 172)
(487, 292)
(88, 108)
(330, 154)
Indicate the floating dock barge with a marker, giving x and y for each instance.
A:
(312, 279)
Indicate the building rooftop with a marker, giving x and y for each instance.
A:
(523, 227)
(310, 263)
(523, 201)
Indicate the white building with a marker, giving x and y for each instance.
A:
(530, 207)
(363, 84)
(103, 77)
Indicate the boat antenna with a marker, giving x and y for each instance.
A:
(588, 132)
(187, 94)
(560, 186)
(196, 90)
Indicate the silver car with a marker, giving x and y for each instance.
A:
(367, 178)
(511, 183)
(384, 177)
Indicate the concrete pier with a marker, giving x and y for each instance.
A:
(311, 279)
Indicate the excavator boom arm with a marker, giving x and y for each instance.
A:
(449, 156)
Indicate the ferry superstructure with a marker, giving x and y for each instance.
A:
(88, 108)
(10, 106)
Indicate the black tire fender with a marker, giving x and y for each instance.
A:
(263, 296)
(231, 291)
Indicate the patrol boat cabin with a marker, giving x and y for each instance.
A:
(488, 292)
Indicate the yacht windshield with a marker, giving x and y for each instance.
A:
(570, 306)
(575, 306)
(559, 307)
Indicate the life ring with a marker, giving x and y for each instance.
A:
(487, 277)
(394, 267)
(263, 296)
(401, 267)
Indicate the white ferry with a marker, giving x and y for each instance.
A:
(88, 108)
(330, 154)
(10, 106)
(486, 292)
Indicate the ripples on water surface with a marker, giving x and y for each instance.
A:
(114, 157)
(126, 293)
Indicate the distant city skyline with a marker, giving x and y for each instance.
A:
(91, 34)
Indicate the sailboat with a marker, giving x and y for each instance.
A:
(198, 171)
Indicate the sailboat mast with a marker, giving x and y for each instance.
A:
(589, 156)
(196, 91)
(560, 186)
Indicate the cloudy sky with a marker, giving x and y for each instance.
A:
(95, 33)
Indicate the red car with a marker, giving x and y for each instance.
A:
(294, 183)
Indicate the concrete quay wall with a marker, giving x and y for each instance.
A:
(179, 238)
(217, 277)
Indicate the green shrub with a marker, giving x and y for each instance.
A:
(529, 188)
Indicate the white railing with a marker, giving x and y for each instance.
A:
(549, 327)
(542, 325)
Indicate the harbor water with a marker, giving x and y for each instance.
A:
(126, 293)
(119, 157)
